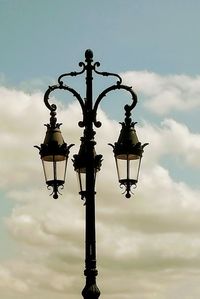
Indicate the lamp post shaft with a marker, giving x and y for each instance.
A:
(90, 290)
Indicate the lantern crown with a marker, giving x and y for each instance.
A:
(54, 144)
(128, 142)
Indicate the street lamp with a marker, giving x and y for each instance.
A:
(54, 154)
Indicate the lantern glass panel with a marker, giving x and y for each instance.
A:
(128, 167)
(55, 168)
(81, 177)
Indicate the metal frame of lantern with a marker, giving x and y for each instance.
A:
(87, 162)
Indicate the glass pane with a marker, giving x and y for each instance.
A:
(48, 170)
(60, 170)
(129, 168)
(54, 170)
(121, 168)
(134, 169)
(81, 176)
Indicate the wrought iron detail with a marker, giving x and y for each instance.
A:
(106, 74)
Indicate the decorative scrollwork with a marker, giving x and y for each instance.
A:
(52, 107)
(72, 74)
(118, 85)
(97, 64)
(55, 190)
(127, 189)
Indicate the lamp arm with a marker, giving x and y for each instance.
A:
(53, 107)
(127, 107)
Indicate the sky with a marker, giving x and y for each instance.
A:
(148, 247)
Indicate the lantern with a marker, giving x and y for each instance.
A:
(54, 155)
(81, 161)
(128, 153)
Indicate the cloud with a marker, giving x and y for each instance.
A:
(171, 138)
(7, 279)
(164, 94)
(152, 239)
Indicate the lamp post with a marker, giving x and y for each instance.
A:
(54, 154)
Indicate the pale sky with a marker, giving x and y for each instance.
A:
(148, 247)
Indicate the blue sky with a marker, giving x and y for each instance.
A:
(153, 239)
(42, 38)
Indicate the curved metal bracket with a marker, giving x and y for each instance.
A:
(97, 64)
(127, 108)
(72, 74)
(53, 107)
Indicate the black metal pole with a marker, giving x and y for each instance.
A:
(90, 291)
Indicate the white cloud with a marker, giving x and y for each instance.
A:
(165, 93)
(171, 138)
(9, 281)
(152, 239)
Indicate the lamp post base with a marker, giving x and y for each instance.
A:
(91, 291)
